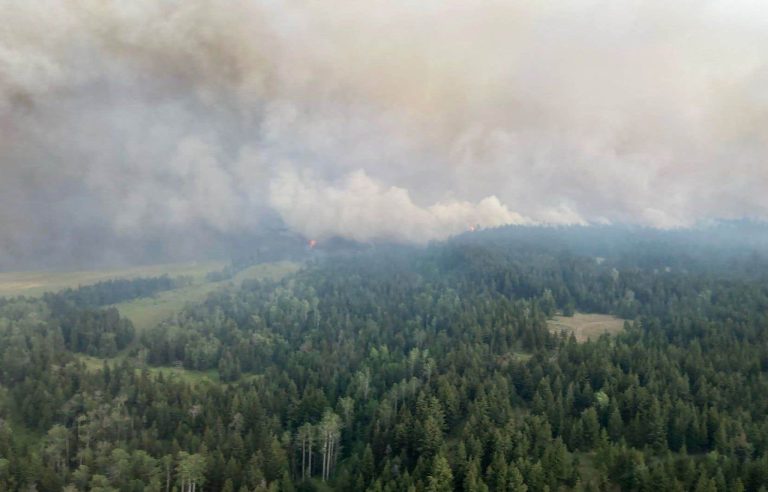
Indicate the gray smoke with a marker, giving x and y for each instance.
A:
(398, 120)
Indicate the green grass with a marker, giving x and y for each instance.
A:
(587, 326)
(516, 356)
(36, 283)
(148, 312)
(94, 364)
(272, 271)
(186, 375)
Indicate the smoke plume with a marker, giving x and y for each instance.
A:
(128, 122)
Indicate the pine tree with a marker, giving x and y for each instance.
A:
(496, 474)
(515, 482)
(473, 482)
(441, 478)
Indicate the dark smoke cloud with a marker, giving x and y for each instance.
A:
(128, 124)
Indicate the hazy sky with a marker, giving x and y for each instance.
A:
(401, 120)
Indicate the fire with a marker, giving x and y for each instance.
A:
(472, 228)
(312, 243)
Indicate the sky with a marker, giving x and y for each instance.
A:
(124, 124)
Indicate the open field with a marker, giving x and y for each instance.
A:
(36, 283)
(587, 326)
(272, 271)
(146, 312)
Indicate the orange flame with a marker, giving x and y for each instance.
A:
(312, 243)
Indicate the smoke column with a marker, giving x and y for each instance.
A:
(128, 122)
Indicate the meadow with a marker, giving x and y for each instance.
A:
(145, 312)
(35, 283)
(587, 326)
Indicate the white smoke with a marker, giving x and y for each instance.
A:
(401, 120)
(364, 210)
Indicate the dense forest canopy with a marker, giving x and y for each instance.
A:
(389, 368)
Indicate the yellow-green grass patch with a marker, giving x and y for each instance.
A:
(147, 312)
(586, 326)
(505, 359)
(272, 271)
(95, 364)
(35, 283)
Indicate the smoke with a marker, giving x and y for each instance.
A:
(362, 209)
(128, 122)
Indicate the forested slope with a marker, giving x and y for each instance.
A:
(413, 369)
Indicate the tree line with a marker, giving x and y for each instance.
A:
(409, 369)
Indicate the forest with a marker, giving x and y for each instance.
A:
(403, 368)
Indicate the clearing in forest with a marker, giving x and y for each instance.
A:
(146, 312)
(36, 283)
(587, 326)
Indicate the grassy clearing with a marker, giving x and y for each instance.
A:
(587, 326)
(36, 283)
(186, 375)
(504, 360)
(94, 364)
(272, 271)
(147, 312)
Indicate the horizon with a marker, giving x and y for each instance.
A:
(126, 127)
